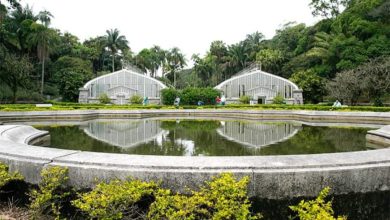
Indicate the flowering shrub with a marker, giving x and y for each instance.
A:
(114, 200)
(222, 198)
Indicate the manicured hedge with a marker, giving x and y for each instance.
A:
(78, 106)
(190, 96)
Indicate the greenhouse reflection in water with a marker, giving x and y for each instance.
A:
(206, 137)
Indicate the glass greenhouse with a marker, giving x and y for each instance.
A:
(120, 86)
(260, 86)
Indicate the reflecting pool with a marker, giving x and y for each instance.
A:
(207, 137)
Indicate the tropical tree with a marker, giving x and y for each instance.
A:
(150, 60)
(70, 74)
(115, 43)
(14, 72)
(44, 38)
(175, 62)
(253, 44)
(45, 17)
(270, 59)
(346, 87)
(19, 27)
(313, 86)
(239, 55)
(93, 49)
(375, 77)
(327, 8)
(158, 59)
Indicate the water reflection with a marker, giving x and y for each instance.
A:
(130, 133)
(197, 137)
(124, 133)
(257, 134)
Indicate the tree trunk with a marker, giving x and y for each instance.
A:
(43, 76)
(113, 63)
(14, 91)
(174, 79)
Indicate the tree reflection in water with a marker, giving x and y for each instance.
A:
(195, 137)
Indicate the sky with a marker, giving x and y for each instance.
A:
(190, 25)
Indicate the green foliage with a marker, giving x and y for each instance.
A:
(175, 61)
(245, 99)
(115, 43)
(104, 99)
(14, 72)
(6, 176)
(114, 200)
(313, 86)
(168, 96)
(57, 106)
(327, 8)
(191, 96)
(71, 73)
(278, 100)
(341, 42)
(316, 209)
(270, 59)
(51, 193)
(136, 99)
(222, 198)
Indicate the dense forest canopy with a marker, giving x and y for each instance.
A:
(40, 62)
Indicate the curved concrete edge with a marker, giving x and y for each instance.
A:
(271, 176)
(330, 116)
(380, 136)
(20, 133)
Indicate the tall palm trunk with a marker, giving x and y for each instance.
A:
(113, 62)
(43, 76)
(174, 79)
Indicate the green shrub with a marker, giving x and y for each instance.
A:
(114, 200)
(191, 96)
(278, 100)
(316, 209)
(136, 99)
(104, 99)
(245, 99)
(222, 198)
(51, 192)
(6, 176)
(168, 96)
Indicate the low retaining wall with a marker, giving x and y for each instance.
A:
(271, 176)
(380, 136)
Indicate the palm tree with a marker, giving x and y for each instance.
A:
(45, 17)
(43, 38)
(115, 43)
(159, 58)
(239, 55)
(175, 61)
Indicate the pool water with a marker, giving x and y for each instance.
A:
(206, 137)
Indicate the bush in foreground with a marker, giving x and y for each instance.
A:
(316, 209)
(6, 176)
(222, 198)
(51, 192)
(114, 200)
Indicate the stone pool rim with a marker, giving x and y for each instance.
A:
(271, 176)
